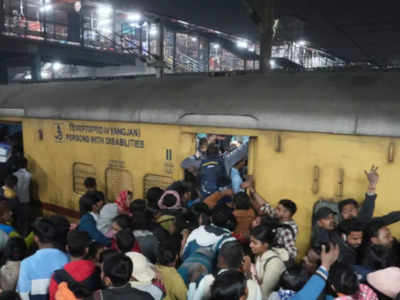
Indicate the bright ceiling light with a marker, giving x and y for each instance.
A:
(153, 30)
(302, 43)
(242, 44)
(104, 10)
(135, 25)
(194, 39)
(46, 8)
(216, 46)
(57, 66)
(44, 75)
(134, 17)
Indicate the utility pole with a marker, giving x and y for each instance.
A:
(262, 13)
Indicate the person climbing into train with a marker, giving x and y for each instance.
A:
(211, 169)
(238, 185)
(192, 163)
(90, 206)
(284, 212)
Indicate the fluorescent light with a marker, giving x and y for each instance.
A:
(104, 10)
(135, 17)
(44, 74)
(153, 30)
(46, 8)
(302, 43)
(272, 63)
(194, 39)
(242, 44)
(135, 25)
(57, 66)
(216, 46)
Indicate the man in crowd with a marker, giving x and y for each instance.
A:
(79, 271)
(36, 270)
(381, 250)
(351, 231)
(284, 213)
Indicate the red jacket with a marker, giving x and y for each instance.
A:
(79, 270)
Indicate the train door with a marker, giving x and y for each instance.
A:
(11, 147)
(235, 150)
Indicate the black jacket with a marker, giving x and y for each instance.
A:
(121, 293)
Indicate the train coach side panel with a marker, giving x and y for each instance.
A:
(119, 155)
(305, 167)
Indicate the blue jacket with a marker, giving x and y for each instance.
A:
(88, 224)
(313, 288)
(210, 171)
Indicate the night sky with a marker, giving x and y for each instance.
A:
(355, 30)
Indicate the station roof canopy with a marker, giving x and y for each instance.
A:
(356, 31)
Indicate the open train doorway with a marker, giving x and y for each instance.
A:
(11, 148)
(226, 167)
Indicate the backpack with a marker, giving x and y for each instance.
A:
(83, 288)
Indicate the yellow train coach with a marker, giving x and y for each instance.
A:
(312, 134)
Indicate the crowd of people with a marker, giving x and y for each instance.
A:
(210, 236)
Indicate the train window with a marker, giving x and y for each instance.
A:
(117, 180)
(81, 171)
(152, 180)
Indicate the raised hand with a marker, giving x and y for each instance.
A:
(329, 258)
(372, 177)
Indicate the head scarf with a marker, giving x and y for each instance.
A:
(386, 281)
(177, 205)
(122, 201)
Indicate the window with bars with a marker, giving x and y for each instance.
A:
(81, 171)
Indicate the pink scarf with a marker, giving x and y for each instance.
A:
(177, 205)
